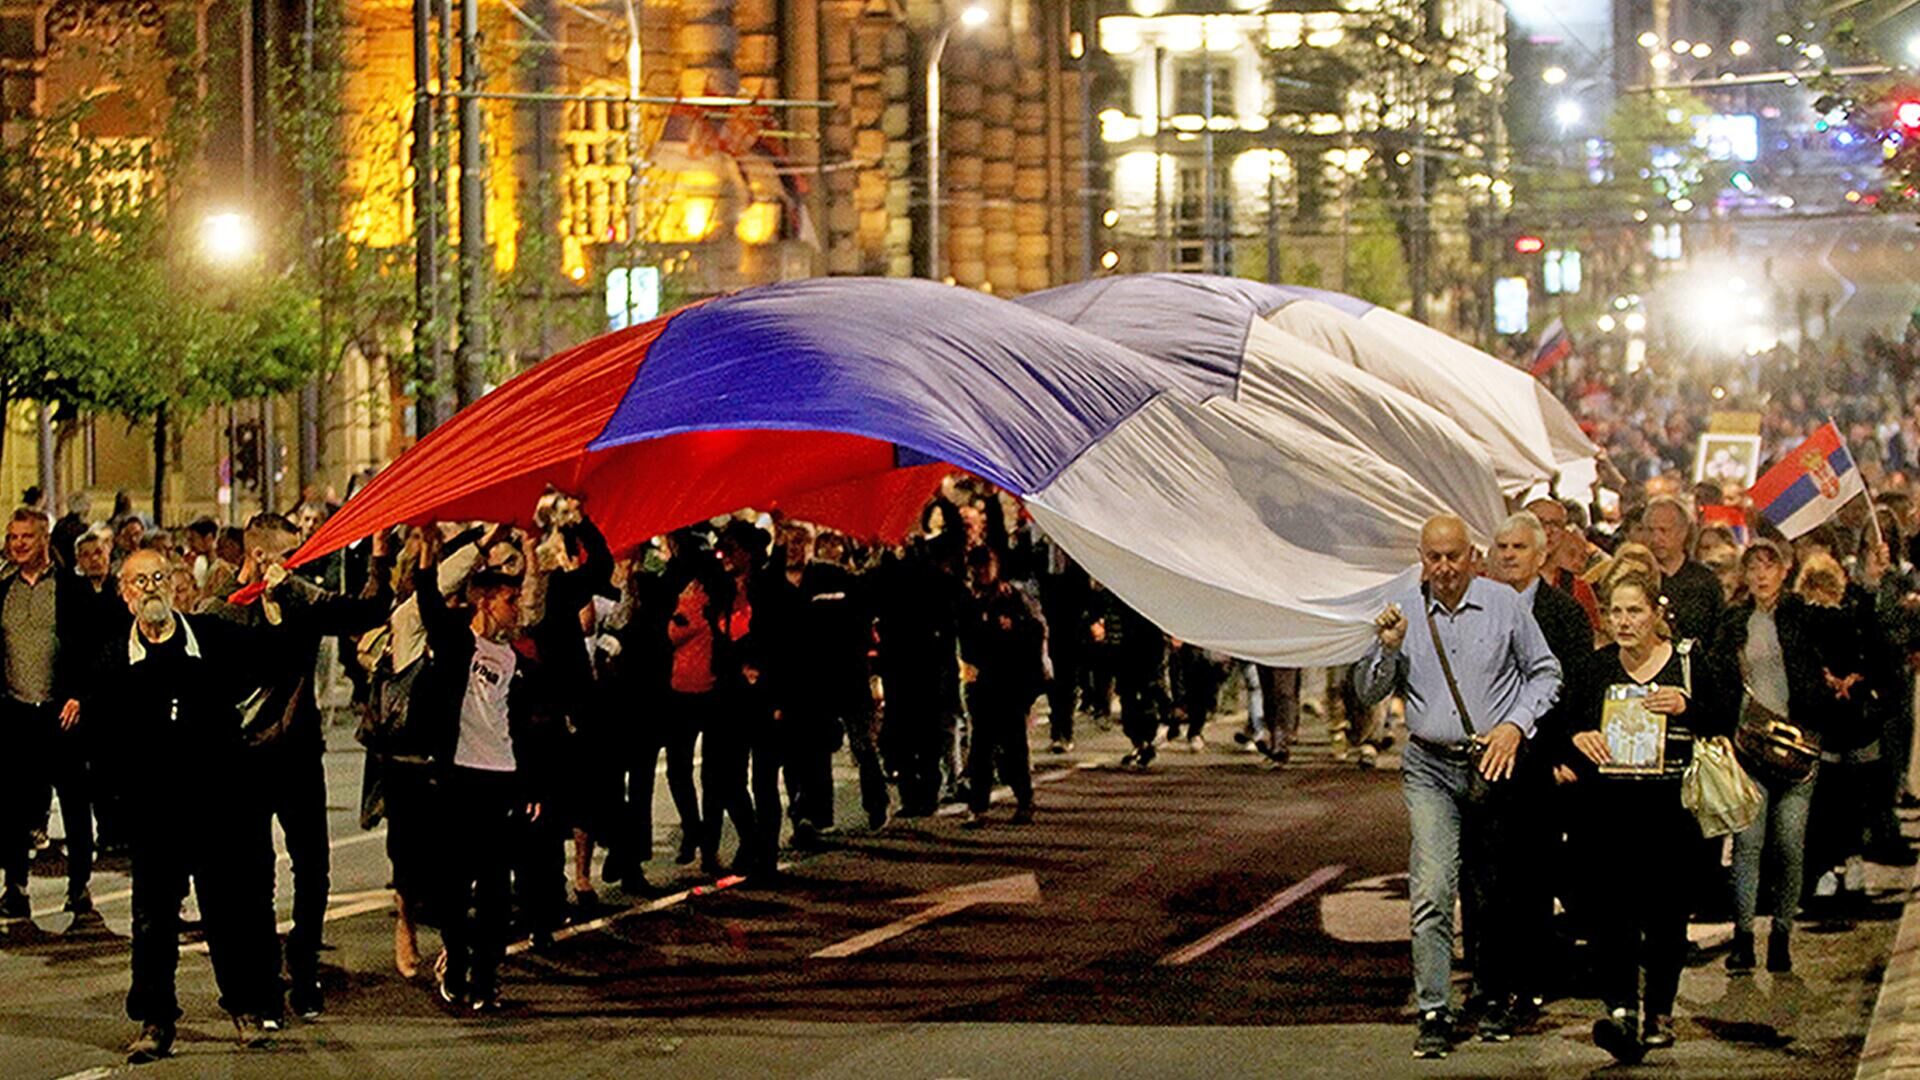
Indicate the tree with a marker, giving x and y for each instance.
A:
(104, 304)
(1856, 33)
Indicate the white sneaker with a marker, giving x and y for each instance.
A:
(1828, 885)
(1196, 744)
(1368, 754)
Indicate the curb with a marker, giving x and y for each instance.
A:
(1893, 1035)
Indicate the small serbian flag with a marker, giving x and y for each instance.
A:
(1729, 518)
(1810, 484)
(1555, 345)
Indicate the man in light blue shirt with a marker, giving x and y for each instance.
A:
(1506, 678)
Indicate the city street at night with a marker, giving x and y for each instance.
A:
(1219, 917)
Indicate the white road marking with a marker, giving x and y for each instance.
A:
(1014, 889)
(1278, 902)
(124, 894)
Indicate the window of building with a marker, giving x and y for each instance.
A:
(1190, 86)
(593, 191)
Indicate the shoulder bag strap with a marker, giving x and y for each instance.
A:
(1446, 668)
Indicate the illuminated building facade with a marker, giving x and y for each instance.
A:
(726, 197)
(1240, 137)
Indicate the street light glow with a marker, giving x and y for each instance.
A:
(227, 237)
(1648, 39)
(1568, 113)
(1913, 47)
(974, 16)
(1739, 48)
(1554, 75)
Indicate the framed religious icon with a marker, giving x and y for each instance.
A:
(1636, 738)
(1727, 460)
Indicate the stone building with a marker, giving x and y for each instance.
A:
(727, 197)
(1289, 141)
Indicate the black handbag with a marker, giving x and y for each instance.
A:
(1772, 746)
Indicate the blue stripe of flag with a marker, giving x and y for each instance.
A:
(1804, 490)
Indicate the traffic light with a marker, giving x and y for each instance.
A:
(1528, 245)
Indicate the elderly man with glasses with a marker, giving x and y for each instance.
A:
(167, 694)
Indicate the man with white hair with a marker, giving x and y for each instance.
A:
(168, 701)
(1476, 675)
(1521, 552)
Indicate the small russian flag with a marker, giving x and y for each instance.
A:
(1555, 345)
(1810, 484)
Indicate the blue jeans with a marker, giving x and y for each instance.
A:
(1781, 833)
(1449, 831)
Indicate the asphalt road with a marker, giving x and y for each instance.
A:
(1213, 918)
(1862, 263)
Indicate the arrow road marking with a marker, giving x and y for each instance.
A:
(1017, 889)
(1275, 904)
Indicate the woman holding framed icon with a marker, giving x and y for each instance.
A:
(1642, 698)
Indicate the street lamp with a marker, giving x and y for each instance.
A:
(1554, 75)
(228, 238)
(1568, 113)
(971, 17)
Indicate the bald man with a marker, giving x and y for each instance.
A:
(1476, 675)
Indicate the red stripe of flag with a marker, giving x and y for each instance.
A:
(1788, 470)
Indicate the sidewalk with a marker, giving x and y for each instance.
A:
(1893, 1038)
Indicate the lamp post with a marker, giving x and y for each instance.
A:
(974, 15)
(227, 241)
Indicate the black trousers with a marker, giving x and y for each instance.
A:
(1538, 814)
(38, 754)
(1639, 842)
(820, 718)
(919, 725)
(999, 735)
(726, 750)
(1063, 692)
(673, 728)
(412, 799)
(1493, 888)
(218, 855)
(293, 788)
(484, 822)
(768, 740)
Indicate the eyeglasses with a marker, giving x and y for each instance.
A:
(154, 580)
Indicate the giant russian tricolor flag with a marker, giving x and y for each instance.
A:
(1810, 484)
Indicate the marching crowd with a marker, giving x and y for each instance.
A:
(517, 690)
(1516, 670)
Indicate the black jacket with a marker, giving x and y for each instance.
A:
(535, 714)
(169, 733)
(285, 712)
(1563, 622)
(1694, 601)
(1010, 658)
(1805, 636)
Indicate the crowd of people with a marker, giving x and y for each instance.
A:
(517, 689)
(1511, 664)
